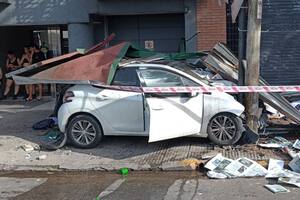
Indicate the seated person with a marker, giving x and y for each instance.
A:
(11, 65)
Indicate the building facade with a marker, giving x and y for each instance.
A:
(161, 25)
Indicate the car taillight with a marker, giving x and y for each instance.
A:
(68, 96)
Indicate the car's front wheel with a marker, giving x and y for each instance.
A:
(84, 131)
(225, 129)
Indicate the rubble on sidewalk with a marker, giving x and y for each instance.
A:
(27, 147)
(42, 157)
(277, 188)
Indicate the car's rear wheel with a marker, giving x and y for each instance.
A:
(84, 131)
(225, 129)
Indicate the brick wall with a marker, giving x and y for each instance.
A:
(211, 23)
(280, 42)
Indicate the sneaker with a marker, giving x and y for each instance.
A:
(15, 97)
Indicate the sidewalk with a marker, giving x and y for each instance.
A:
(113, 153)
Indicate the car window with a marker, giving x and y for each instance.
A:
(163, 78)
(126, 77)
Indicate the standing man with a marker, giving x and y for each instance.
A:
(37, 56)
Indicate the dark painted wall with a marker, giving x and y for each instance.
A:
(13, 39)
(280, 48)
(165, 30)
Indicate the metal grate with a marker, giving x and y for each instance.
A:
(232, 31)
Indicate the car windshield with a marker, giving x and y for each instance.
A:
(188, 69)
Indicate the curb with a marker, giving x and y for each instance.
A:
(169, 166)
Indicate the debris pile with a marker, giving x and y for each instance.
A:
(221, 167)
(31, 150)
(283, 108)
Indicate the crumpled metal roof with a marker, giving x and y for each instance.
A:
(216, 61)
(84, 69)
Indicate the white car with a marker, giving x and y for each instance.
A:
(91, 112)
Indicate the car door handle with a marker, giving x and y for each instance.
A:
(157, 107)
(103, 98)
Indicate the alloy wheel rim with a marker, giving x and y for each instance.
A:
(83, 132)
(223, 128)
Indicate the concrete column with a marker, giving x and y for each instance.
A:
(190, 25)
(81, 35)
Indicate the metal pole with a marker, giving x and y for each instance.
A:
(242, 49)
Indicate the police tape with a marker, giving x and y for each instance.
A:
(206, 89)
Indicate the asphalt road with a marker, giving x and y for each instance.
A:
(136, 186)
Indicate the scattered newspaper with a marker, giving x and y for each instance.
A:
(277, 188)
(242, 167)
(277, 143)
(290, 152)
(271, 145)
(296, 145)
(295, 164)
(290, 181)
(216, 175)
(275, 164)
(218, 163)
(282, 173)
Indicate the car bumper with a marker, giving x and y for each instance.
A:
(63, 116)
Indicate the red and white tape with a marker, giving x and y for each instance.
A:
(205, 89)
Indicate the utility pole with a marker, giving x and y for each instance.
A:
(253, 61)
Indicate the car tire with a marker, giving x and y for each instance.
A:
(225, 133)
(84, 131)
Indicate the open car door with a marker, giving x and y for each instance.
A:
(171, 115)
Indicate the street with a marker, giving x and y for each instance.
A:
(156, 170)
(137, 185)
(158, 100)
(112, 154)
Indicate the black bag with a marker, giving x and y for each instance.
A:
(53, 140)
(44, 124)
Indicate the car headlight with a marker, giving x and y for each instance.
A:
(68, 96)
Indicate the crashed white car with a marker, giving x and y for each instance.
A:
(90, 112)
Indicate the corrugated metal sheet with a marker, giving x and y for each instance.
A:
(90, 67)
(215, 63)
(280, 47)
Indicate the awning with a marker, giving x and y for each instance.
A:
(96, 67)
(93, 67)
(46, 64)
